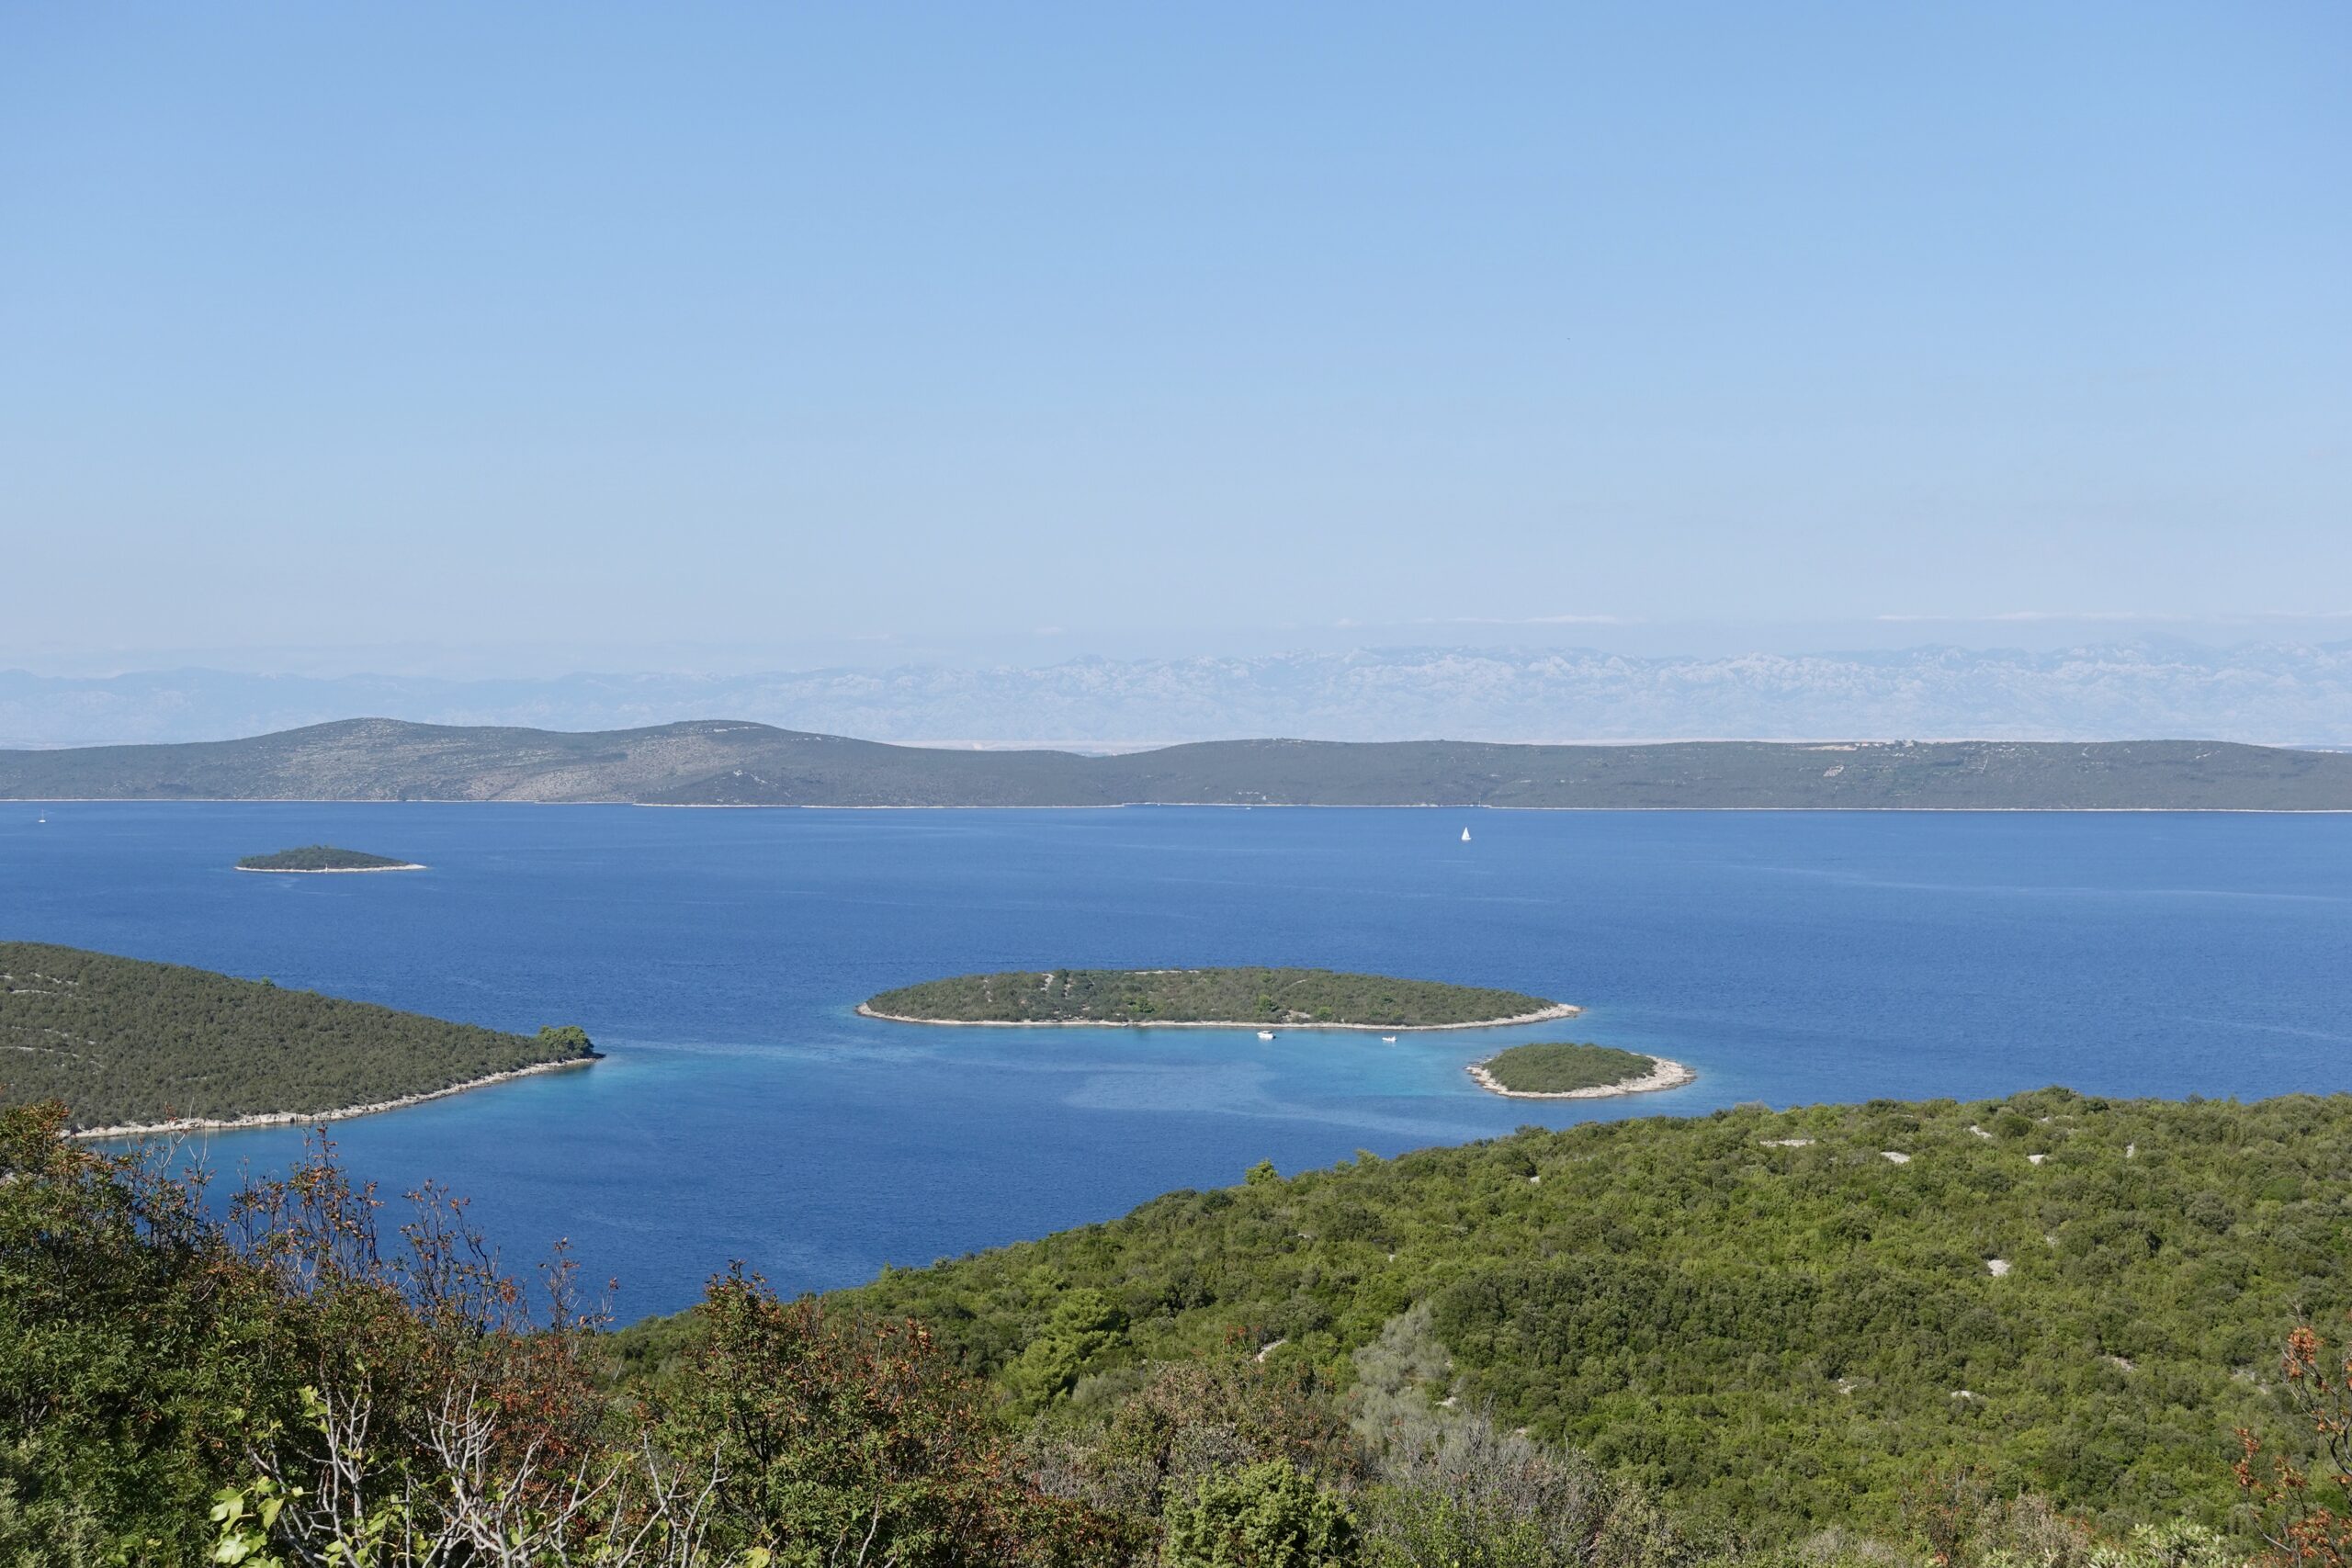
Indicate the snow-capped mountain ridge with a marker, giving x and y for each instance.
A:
(2282, 695)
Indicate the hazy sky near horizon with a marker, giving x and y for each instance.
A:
(361, 325)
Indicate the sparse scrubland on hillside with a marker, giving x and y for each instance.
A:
(1767, 1319)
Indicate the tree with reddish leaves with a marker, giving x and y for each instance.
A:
(2306, 1509)
(427, 1414)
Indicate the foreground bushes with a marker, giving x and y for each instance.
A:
(305, 1383)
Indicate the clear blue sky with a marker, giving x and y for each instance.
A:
(785, 324)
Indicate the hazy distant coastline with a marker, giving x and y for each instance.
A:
(728, 763)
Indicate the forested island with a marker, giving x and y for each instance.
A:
(2037, 1339)
(323, 858)
(129, 1044)
(1557, 1070)
(1294, 998)
(720, 762)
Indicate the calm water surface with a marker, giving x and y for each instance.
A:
(747, 1113)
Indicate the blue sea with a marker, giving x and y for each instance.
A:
(747, 1113)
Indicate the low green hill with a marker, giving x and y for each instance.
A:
(123, 1042)
(1767, 1317)
(1296, 997)
(322, 857)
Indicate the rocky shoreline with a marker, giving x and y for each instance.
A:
(324, 870)
(1557, 1010)
(309, 1118)
(1662, 1074)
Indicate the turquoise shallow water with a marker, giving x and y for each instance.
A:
(747, 1113)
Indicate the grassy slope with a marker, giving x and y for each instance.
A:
(123, 1041)
(716, 762)
(1557, 1067)
(1195, 996)
(1777, 1334)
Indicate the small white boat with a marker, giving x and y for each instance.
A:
(1265, 1034)
(1465, 835)
(1388, 1040)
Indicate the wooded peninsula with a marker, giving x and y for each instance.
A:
(129, 1043)
(323, 858)
(1294, 998)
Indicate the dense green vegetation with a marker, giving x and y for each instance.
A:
(304, 1381)
(1760, 1317)
(125, 1041)
(1295, 997)
(321, 857)
(714, 763)
(1557, 1067)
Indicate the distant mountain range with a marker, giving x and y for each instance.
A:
(712, 762)
(2263, 693)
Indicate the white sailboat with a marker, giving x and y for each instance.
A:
(1465, 835)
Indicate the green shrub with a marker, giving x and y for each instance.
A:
(1268, 1515)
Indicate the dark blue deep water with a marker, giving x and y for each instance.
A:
(747, 1113)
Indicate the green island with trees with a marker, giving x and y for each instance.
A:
(130, 1043)
(1557, 1067)
(2062, 1333)
(323, 857)
(1297, 998)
